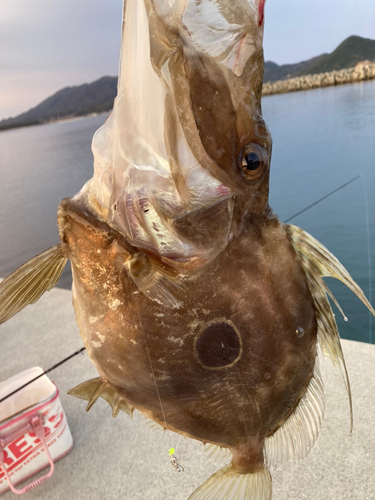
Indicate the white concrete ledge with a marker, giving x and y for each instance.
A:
(121, 458)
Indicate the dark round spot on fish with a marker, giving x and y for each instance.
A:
(218, 345)
(252, 161)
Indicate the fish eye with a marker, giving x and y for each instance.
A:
(253, 161)
(218, 345)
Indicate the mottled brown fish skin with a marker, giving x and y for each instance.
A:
(231, 364)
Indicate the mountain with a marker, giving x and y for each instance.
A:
(273, 71)
(350, 52)
(96, 97)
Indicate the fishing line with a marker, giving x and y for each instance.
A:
(147, 349)
(44, 373)
(151, 367)
(324, 198)
(368, 259)
(174, 460)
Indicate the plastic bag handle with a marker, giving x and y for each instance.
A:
(36, 424)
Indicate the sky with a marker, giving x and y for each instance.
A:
(46, 45)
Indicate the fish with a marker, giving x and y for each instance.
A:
(198, 307)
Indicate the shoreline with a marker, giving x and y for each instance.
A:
(363, 71)
(63, 119)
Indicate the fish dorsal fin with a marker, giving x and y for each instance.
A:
(323, 263)
(28, 283)
(154, 281)
(295, 438)
(216, 453)
(227, 483)
(318, 262)
(96, 388)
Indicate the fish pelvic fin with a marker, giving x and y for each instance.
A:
(96, 388)
(295, 438)
(317, 263)
(228, 483)
(29, 282)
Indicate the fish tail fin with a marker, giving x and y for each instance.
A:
(28, 283)
(229, 483)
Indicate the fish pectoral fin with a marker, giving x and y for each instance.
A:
(229, 483)
(158, 285)
(96, 388)
(162, 290)
(295, 438)
(29, 282)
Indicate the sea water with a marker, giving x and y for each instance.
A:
(323, 138)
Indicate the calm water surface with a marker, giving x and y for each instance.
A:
(322, 139)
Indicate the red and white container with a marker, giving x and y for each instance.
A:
(34, 432)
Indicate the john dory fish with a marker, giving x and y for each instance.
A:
(197, 306)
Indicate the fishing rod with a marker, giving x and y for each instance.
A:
(84, 348)
(44, 373)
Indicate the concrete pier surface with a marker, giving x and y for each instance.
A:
(127, 459)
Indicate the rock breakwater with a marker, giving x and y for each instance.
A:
(364, 70)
